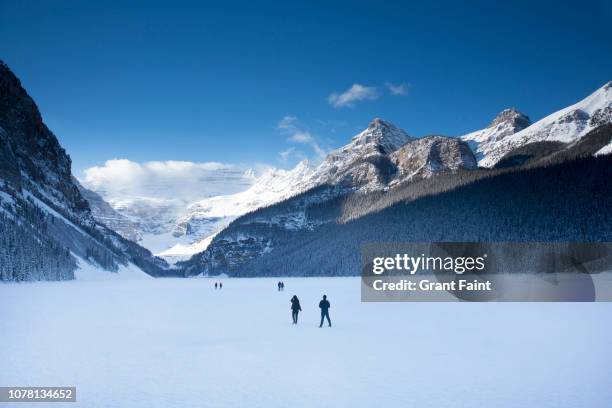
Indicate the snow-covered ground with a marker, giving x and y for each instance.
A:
(179, 343)
(89, 272)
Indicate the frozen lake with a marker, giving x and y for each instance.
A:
(171, 342)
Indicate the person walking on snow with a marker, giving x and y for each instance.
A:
(220, 285)
(279, 286)
(324, 306)
(295, 308)
(215, 285)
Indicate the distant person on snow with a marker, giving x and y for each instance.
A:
(282, 285)
(279, 286)
(324, 306)
(215, 285)
(220, 285)
(295, 308)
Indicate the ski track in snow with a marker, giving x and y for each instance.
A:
(179, 343)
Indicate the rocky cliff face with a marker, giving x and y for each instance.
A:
(105, 214)
(427, 156)
(30, 154)
(46, 222)
(363, 163)
(383, 156)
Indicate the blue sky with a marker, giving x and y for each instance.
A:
(212, 82)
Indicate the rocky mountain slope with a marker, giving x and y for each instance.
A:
(379, 159)
(565, 126)
(363, 163)
(565, 202)
(155, 196)
(562, 196)
(105, 214)
(47, 225)
(175, 221)
(428, 156)
(506, 123)
(383, 167)
(203, 219)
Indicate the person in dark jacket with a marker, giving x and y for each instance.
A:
(324, 306)
(216, 285)
(295, 308)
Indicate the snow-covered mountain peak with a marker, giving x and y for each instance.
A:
(286, 182)
(204, 218)
(378, 123)
(353, 165)
(505, 123)
(381, 134)
(512, 118)
(566, 125)
(601, 97)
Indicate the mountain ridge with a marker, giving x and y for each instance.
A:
(50, 225)
(565, 125)
(379, 168)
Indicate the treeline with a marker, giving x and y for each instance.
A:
(26, 253)
(566, 202)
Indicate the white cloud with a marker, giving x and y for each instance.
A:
(287, 123)
(166, 180)
(290, 127)
(301, 137)
(399, 89)
(354, 94)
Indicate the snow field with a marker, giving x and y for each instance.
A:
(179, 343)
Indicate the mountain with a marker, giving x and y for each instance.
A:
(105, 214)
(153, 198)
(360, 164)
(563, 197)
(48, 229)
(165, 218)
(363, 163)
(428, 156)
(506, 123)
(383, 168)
(380, 159)
(565, 126)
(565, 202)
(204, 218)
(155, 217)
